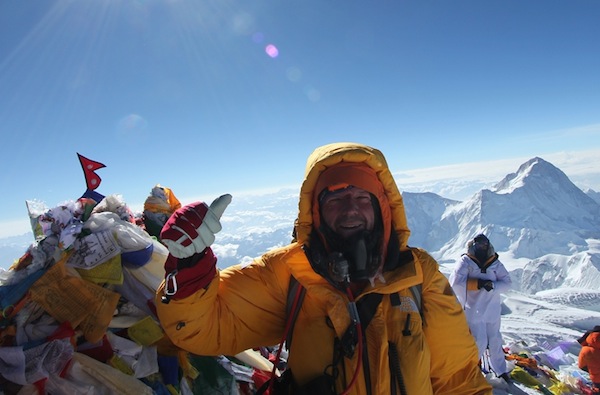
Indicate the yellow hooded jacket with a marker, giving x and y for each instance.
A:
(245, 307)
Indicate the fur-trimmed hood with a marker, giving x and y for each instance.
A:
(331, 155)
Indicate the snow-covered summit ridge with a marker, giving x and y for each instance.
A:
(543, 185)
(533, 212)
(533, 168)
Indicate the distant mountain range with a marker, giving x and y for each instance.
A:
(532, 212)
(536, 218)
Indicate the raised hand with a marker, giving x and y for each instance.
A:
(192, 228)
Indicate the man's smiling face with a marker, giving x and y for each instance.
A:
(348, 211)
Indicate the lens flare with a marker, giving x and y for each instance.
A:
(131, 128)
(272, 50)
(313, 94)
(132, 122)
(293, 74)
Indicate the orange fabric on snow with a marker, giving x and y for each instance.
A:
(589, 356)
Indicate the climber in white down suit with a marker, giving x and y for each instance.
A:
(478, 279)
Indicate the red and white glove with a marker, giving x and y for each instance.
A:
(192, 228)
(188, 234)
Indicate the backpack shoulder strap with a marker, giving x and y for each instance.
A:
(417, 293)
(295, 297)
(294, 300)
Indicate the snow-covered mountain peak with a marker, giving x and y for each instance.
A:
(535, 173)
(533, 212)
(541, 197)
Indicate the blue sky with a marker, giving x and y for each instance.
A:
(209, 97)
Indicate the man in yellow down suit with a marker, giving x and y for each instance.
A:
(360, 328)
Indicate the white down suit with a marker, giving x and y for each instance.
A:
(482, 307)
